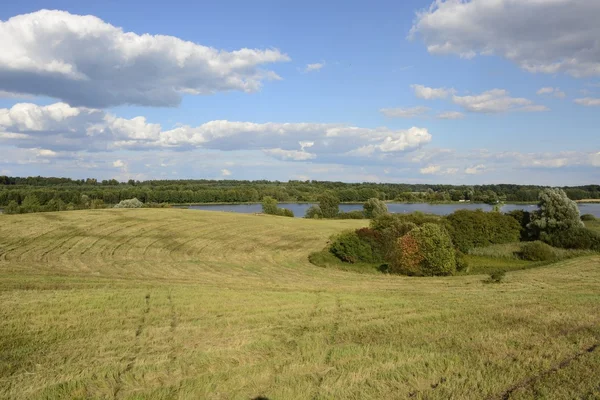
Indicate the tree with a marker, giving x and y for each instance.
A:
(30, 204)
(329, 205)
(12, 208)
(269, 205)
(313, 212)
(130, 203)
(374, 208)
(556, 213)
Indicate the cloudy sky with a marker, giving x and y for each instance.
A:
(454, 91)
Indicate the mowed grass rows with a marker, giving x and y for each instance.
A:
(180, 304)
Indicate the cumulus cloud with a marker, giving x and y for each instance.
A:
(496, 101)
(546, 36)
(85, 61)
(225, 172)
(60, 127)
(588, 102)
(556, 92)
(119, 164)
(428, 93)
(437, 170)
(313, 67)
(474, 170)
(451, 115)
(404, 112)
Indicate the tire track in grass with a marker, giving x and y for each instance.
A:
(527, 382)
(135, 350)
(330, 341)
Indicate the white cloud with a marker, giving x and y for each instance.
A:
(60, 127)
(546, 36)
(314, 67)
(404, 112)
(451, 115)
(428, 93)
(225, 172)
(437, 170)
(474, 170)
(85, 61)
(496, 101)
(556, 92)
(588, 102)
(119, 164)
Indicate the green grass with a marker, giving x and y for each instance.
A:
(178, 304)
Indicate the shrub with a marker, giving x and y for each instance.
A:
(374, 208)
(12, 208)
(426, 250)
(357, 214)
(470, 229)
(574, 238)
(96, 204)
(537, 251)
(313, 212)
(269, 205)
(588, 217)
(462, 263)
(329, 205)
(348, 247)
(30, 204)
(523, 218)
(130, 203)
(497, 276)
(384, 221)
(286, 212)
(556, 213)
(375, 240)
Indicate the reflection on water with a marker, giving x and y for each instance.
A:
(299, 209)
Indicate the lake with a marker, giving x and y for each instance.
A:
(299, 209)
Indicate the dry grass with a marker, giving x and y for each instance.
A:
(178, 304)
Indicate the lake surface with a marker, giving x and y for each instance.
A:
(299, 209)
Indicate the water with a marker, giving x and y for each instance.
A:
(299, 209)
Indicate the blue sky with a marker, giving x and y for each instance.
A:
(457, 92)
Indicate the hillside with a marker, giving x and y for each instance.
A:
(171, 303)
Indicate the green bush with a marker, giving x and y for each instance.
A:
(12, 208)
(537, 251)
(329, 204)
(497, 276)
(357, 214)
(462, 263)
(574, 238)
(523, 218)
(286, 212)
(374, 208)
(426, 250)
(269, 206)
(348, 247)
(375, 240)
(470, 229)
(313, 212)
(384, 221)
(588, 217)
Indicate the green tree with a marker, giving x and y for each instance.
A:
(374, 208)
(556, 213)
(30, 204)
(329, 204)
(12, 208)
(313, 212)
(269, 205)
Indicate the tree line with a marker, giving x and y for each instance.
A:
(74, 192)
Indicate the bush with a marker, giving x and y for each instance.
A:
(357, 214)
(523, 218)
(349, 248)
(286, 212)
(588, 217)
(375, 240)
(470, 229)
(426, 250)
(462, 263)
(556, 213)
(12, 208)
(384, 221)
(313, 212)
(130, 203)
(574, 238)
(30, 204)
(269, 206)
(497, 276)
(329, 205)
(537, 251)
(374, 208)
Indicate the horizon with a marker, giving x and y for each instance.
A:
(422, 92)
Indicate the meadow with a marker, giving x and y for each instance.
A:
(181, 304)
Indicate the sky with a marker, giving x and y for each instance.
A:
(414, 91)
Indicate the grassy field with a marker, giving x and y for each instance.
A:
(180, 304)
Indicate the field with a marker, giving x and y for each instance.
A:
(180, 304)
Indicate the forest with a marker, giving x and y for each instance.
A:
(79, 193)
